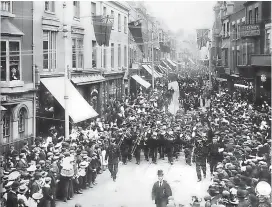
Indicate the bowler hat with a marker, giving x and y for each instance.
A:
(160, 173)
(15, 185)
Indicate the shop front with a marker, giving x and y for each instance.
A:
(113, 87)
(262, 68)
(90, 87)
(51, 105)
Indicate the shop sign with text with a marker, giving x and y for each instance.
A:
(250, 30)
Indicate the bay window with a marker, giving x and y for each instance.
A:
(77, 53)
(49, 50)
(10, 60)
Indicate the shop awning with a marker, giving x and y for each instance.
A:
(240, 86)
(156, 73)
(171, 62)
(221, 79)
(166, 65)
(162, 68)
(3, 108)
(7, 28)
(141, 81)
(81, 80)
(78, 108)
(149, 70)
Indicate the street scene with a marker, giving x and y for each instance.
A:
(135, 104)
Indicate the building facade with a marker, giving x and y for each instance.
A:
(69, 44)
(17, 74)
(244, 36)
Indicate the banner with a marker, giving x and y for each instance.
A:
(135, 29)
(102, 29)
(202, 37)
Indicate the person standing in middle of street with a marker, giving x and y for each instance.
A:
(200, 157)
(113, 156)
(161, 191)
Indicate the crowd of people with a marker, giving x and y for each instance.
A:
(240, 152)
(56, 168)
(231, 135)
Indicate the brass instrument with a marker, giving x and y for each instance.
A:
(137, 142)
(122, 138)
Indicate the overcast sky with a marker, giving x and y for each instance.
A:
(187, 15)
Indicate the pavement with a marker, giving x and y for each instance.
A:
(134, 182)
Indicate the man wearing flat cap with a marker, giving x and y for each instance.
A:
(161, 191)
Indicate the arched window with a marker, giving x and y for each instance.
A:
(22, 122)
(6, 127)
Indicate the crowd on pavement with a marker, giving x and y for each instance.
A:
(231, 134)
(240, 153)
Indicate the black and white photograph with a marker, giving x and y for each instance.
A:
(135, 103)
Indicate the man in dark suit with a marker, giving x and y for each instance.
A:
(113, 155)
(12, 199)
(161, 191)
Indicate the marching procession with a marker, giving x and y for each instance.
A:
(230, 134)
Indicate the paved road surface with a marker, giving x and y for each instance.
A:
(134, 182)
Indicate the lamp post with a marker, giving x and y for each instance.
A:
(66, 71)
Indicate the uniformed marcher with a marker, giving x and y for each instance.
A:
(154, 146)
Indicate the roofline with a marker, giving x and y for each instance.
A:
(120, 5)
(249, 2)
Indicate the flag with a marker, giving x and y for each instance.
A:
(102, 29)
(135, 29)
(202, 37)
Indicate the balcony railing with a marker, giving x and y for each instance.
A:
(6, 6)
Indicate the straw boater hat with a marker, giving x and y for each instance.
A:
(37, 196)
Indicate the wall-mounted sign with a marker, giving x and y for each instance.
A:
(250, 30)
(3, 98)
